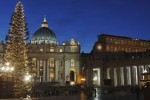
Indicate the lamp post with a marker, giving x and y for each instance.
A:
(6, 69)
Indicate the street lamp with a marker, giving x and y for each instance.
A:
(6, 69)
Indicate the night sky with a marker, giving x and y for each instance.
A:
(82, 20)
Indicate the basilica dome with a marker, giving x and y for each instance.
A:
(44, 35)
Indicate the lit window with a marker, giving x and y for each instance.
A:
(51, 62)
(115, 48)
(111, 40)
(51, 70)
(136, 50)
(41, 50)
(61, 50)
(107, 47)
(122, 41)
(41, 62)
(51, 50)
(73, 49)
(72, 62)
(126, 49)
(116, 42)
(51, 76)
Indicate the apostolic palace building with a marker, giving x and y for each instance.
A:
(114, 60)
(118, 61)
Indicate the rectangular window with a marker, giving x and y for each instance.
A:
(51, 70)
(51, 76)
(51, 62)
(107, 47)
(72, 62)
(73, 49)
(51, 50)
(41, 50)
(61, 50)
(41, 62)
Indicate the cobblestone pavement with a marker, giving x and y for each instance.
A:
(82, 96)
(97, 97)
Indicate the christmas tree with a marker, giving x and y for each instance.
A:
(16, 52)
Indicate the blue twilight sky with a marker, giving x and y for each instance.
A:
(82, 20)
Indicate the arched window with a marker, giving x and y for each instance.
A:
(71, 75)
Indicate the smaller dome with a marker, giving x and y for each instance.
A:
(72, 42)
(44, 35)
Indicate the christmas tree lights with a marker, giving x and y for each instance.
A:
(16, 52)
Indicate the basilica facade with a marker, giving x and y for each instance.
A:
(51, 61)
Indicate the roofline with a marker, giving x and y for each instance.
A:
(124, 37)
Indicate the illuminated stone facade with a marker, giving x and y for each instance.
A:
(50, 62)
(122, 62)
(110, 43)
(118, 66)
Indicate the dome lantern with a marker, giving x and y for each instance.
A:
(44, 23)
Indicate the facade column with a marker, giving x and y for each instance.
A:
(38, 69)
(132, 75)
(56, 70)
(138, 74)
(108, 73)
(122, 75)
(118, 76)
(64, 76)
(44, 69)
(129, 75)
(142, 71)
(112, 76)
(48, 70)
(115, 77)
(125, 75)
(99, 77)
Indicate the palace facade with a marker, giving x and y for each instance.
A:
(118, 61)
